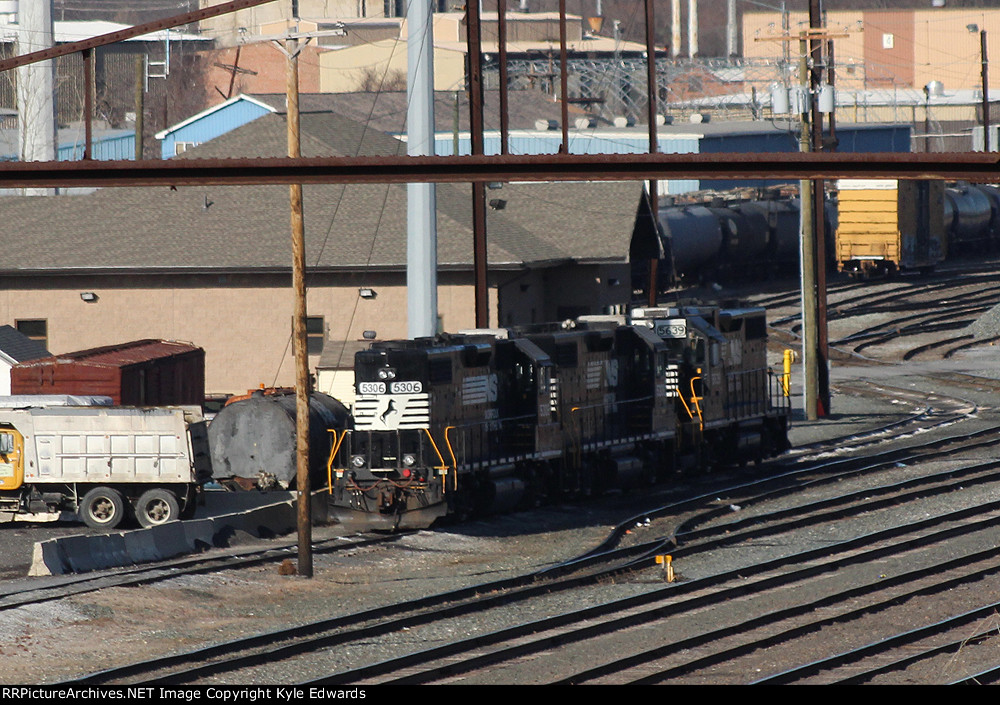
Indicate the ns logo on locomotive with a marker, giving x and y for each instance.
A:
(488, 421)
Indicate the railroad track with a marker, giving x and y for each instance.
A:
(19, 594)
(476, 659)
(229, 660)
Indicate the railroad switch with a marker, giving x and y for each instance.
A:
(668, 567)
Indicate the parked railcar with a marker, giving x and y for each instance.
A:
(967, 215)
(473, 423)
(729, 237)
(887, 225)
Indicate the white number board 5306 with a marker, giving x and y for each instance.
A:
(406, 387)
(371, 387)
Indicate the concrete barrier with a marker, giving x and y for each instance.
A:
(83, 553)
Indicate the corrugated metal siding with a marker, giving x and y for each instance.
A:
(586, 142)
(212, 125)
(147, 372)
(889, 138)
(107, 148)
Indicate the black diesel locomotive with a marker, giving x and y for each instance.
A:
(492, 420)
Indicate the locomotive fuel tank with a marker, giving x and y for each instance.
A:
(252, 439)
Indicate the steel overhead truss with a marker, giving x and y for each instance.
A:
(972, 166)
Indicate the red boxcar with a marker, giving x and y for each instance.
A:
(140, 373)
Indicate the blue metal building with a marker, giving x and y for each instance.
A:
(210, 123)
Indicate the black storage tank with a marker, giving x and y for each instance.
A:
(253, 438)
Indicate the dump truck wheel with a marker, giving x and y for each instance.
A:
(155, 507)
(102, 508)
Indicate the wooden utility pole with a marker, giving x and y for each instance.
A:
(808, 253)
(302, 483)
(819, 211)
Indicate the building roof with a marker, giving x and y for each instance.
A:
(20, 347)
(214, 109)
(339, 354)
(386, 110)
(348, 227)
(76, 30)
(120, 355)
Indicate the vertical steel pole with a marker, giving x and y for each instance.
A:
(421, 199)
(563, 78)
(831, 79)
(305, 564)
(140, 99)
(478, 187)
(654, 146)
(986, 92)
(502, 57)
(88, 102)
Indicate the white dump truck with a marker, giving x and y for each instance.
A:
(107, 464)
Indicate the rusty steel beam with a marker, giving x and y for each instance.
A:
(790, 166)
(122, 35)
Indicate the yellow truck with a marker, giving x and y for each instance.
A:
(107, 464)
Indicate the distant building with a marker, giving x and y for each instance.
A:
(212, 264)
(16, 347)
(115, 72)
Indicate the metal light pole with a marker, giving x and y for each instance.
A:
(421, 199)
(986, 91)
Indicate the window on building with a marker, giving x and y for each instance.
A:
(315, 334)
(34, 328)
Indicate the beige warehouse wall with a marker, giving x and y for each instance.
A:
(234, 27)
(243, 322)
(345, 70)
(904, 48)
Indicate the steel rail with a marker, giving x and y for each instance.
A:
(536, 167)
(285, 643)
(899, 641)
(558, 630)
(873, 587)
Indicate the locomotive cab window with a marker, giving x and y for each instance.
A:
(695, 353)
(6, 443)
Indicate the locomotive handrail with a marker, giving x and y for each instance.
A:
(333, 454)
(742, 386)
(443, 466)
(451, 451)
(685, 405)
(694, 400)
